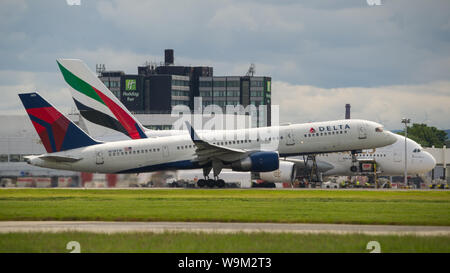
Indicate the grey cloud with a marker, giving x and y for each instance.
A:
(50, 85)
(323, 43)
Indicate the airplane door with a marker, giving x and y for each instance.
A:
(290, 137)
(362, 131)
(397, 156)
(165, 150)
(99, 158)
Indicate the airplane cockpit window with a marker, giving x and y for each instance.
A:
(379, 129)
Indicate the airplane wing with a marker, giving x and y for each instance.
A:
(206, 151)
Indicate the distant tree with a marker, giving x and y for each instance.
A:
(425, 135)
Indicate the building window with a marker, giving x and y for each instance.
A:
(219, 93)
(219, 83)
(180, 93)
(257, 83)
(180, 82)
(233, 94)
(206, 103)
(205, 83)
(233, 83)
(114, 84)
(205, 93)
(3, 158)
(14, 158)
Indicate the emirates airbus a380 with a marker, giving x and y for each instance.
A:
(256, 149)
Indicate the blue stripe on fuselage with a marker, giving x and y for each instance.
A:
(184, 164)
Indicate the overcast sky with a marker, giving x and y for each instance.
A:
(389, 61)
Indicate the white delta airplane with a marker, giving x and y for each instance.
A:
(70, 148)
(390, 160)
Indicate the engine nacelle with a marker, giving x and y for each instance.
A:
(257, 162)
(285, 173)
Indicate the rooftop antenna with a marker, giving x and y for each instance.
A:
(251, 70)
(100, 68)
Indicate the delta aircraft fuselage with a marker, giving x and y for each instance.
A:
(179, 151)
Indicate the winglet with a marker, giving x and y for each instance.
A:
(192, 133)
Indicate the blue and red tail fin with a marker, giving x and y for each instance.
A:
(57, 132)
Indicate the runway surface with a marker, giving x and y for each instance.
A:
(212, 227)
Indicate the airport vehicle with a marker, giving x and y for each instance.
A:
(387, 161)
(70, 148)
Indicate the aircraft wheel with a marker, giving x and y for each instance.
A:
(220, 183)
(201, 183)
(211, 183)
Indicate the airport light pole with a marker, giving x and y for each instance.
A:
(406, 121)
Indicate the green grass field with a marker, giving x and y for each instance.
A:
(286, 206)
(170, 242)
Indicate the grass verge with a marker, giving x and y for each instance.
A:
(182, 242)
(283, 206)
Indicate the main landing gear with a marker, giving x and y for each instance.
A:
(211, 183)
(311, 170)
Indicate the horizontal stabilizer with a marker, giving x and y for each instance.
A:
(55, 158)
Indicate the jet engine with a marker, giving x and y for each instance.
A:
(285, 173)
(257, 162)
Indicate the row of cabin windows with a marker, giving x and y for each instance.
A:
(360, 155)
(369, 155)
(231, 142)
(326, 133)
(142, 151)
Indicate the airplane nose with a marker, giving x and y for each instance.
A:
(390, 138)
(429, 162)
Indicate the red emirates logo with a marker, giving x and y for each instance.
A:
(312, 130)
